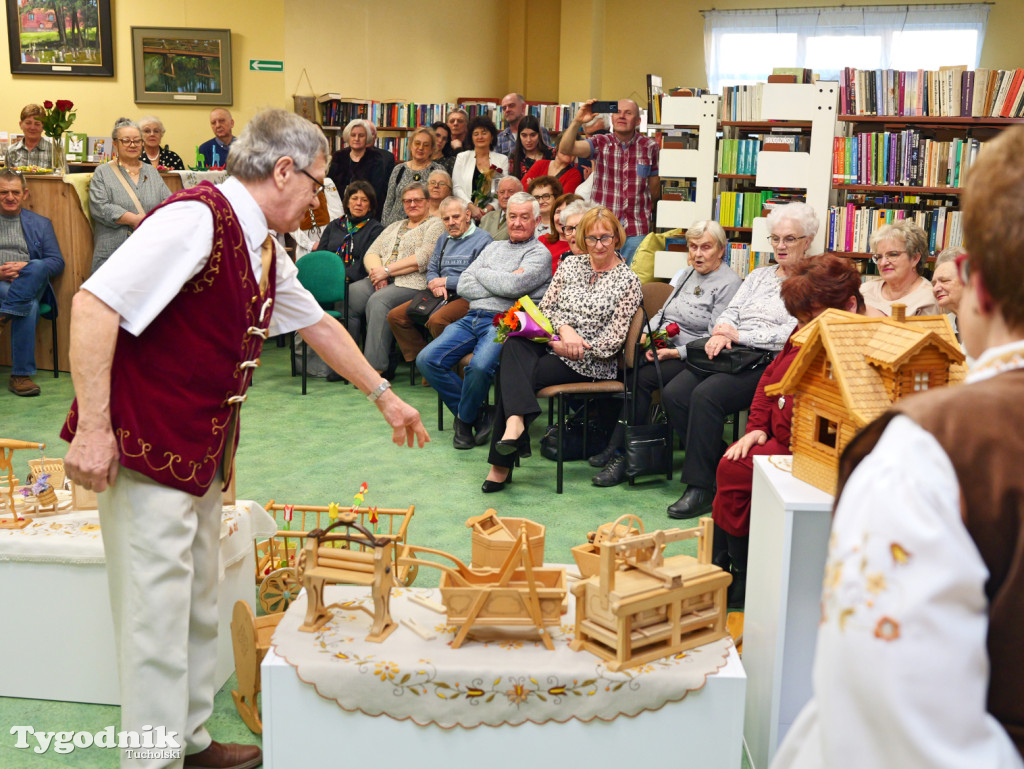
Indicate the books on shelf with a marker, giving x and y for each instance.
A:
(902, 158)
(742, 102)
(849, 227)
(739, 209)
(742, 259)
(952, 91)
(654, 94)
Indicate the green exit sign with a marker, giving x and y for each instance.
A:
(265, 65)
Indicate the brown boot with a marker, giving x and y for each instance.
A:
(226, 755)
(22, 385)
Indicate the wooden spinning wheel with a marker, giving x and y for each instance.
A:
(279, 589)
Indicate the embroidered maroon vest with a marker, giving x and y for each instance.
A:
(978, 426)
(176, 389)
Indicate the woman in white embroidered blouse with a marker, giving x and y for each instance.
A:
(696, 403)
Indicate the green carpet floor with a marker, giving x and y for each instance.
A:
(319, 448)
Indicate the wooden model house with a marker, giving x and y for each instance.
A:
(851, 369)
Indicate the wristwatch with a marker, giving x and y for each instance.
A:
(378, 391)
(387, 270)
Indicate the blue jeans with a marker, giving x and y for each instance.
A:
(630, 246)
(475, 334)
(20, 299)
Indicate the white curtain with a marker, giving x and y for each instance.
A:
(745, 46)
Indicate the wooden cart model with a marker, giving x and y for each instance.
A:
(518, 594)
(321, 564)
(641, 606)
(493, 537)
(276, 575)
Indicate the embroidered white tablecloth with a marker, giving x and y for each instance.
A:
(499, 676)
(74, 537)
(192, 178)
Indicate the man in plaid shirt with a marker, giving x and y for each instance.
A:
(625, 169)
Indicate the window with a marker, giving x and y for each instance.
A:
(744, 46)
(922, 380)
(828, 370)
(31, 17)
(826, 432)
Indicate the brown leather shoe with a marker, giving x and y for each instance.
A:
(22, 385)
(226, 755)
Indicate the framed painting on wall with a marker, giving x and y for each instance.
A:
(60, 38)
(181, 65)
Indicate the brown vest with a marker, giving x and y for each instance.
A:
(981, 429)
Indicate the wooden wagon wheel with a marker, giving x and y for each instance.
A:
(278, 589)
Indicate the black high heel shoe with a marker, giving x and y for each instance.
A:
(490, 487)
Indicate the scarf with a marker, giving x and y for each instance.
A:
(350, 228)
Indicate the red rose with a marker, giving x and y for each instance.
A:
(672, 329)
(497, 320)
(47, 104)
(64, 104)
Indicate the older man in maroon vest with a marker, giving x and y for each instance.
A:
(918, 661)
(163, 343)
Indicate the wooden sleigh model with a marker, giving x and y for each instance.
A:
(518, 594)
(641, 606)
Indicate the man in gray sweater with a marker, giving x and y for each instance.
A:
(504, 271)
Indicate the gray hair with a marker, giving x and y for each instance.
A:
(576, 208)
(708, 227)
(799, 213)
(152, 120)
(513, 181)
(443, 174)
(949, 254)
(908, 234)
(370, 128)
(452, 112)
(271, 135)
(452, 200)
(421, 186)
(123, 122)
(6, 174)
(521, 198)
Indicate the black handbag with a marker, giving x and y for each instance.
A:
(649, 446)
(423, 305)
(730, 360)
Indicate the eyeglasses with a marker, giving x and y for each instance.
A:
(568, 228)
(544, 196)
(411, 201)
(435, 185)
(130, 142)
(318, 187)
(889, 256)
(789, 240)
(593, 240)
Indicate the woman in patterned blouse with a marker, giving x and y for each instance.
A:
(590, 303)
(154, 153)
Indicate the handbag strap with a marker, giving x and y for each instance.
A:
(127, 187)
(636, 368)
(671, 296)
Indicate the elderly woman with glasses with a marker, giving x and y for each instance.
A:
(697, 402)
(417, 168)
(590, 303)
(122, 192)
(439, 187)
(155, 154)
(899, 251)
(397, 266)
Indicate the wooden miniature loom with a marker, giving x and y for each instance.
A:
(321, 564)
(518, 594)
(588, 556)
(642, 606)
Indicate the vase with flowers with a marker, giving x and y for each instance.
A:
(56, 119)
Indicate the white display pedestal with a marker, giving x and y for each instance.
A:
(300, 728)
(789, 528)
(58, 639)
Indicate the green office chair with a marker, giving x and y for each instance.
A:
(322, 273)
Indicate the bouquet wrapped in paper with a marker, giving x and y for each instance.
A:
(524, 319)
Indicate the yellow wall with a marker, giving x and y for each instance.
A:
(256, 34)
(632, 27)
(398, 49)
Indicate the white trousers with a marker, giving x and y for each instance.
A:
(162, 551)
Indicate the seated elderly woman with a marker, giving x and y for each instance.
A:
(590, 303)
(122, 192)
(700, 294)
(417, 168)
(360, 160)
(817, 284)
(154, 153)
(697, 402)
(33, 149)
(478, 170)
(443, 152)
(946, 286)
(439, 185)
(899, 249)
(397, 266)
(557, 241)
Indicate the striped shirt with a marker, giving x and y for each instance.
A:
(621, 172)
(41, 156)
(13, 247)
